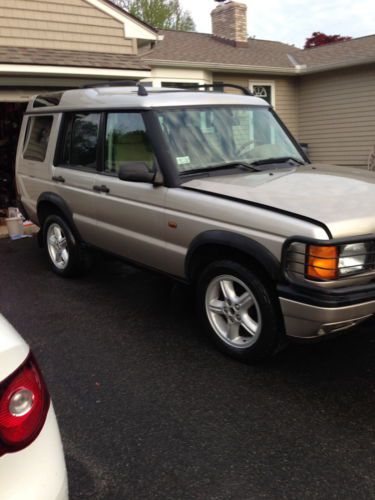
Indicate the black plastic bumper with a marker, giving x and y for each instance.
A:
(337, 297)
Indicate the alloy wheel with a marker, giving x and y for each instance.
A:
(233, 311)
(57, 246)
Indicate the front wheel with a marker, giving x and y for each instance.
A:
(239, 311)
(64, 252)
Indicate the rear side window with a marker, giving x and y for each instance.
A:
(37, 136)
(80, 140)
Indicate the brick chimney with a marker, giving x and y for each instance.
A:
(229, 23)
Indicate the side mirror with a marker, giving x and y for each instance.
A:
(136, 172)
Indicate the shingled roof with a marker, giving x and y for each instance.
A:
(52, 57)
(183, 46)
(179, 47)
(350, 51)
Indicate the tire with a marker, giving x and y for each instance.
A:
(64, 253)
(250, 329)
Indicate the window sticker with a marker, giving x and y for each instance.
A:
(183, 160)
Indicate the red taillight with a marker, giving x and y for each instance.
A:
(24, 403)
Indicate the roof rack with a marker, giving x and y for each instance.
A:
(143, 92)
(214, 86)
(119, 83)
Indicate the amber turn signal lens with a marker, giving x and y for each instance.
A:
(322, 262)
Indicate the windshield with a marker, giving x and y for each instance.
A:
(205, 137)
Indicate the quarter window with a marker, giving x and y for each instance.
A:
(126, 141)
(80, 140)
(37, 136)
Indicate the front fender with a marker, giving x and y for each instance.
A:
(235, 241)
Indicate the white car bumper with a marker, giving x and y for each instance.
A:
(38, 472)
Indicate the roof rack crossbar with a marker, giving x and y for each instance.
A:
(214, 86)
(119, 83)
(143, 92)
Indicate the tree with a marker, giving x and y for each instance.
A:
(163, 14)
(318, 39)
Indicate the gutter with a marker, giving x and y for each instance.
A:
(35, 70)
(233, 68)
(299, 69)
(75, 71)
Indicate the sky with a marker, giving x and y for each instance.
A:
(292, 21)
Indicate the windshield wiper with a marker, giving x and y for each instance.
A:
(282, 159)
(222, 166)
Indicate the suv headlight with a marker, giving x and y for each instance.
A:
(333, 262)
(353, 258)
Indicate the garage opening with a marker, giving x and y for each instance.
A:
(11, 114)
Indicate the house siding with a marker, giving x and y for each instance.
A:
(287, 103)
(52, 24)
(337, 115)
(286, 94)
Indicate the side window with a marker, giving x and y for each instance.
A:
(36, 138)
(80, 140)
(126, 141)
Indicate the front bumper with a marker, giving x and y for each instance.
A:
(38, 472)
(310, 313)
(305, 321)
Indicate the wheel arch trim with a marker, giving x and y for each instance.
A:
(60, 203)
(237, 242)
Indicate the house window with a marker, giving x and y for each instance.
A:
(264, 90)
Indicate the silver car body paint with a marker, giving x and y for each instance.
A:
(155, 225)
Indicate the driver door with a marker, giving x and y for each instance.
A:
(130, 216)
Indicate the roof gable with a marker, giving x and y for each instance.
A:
(80, 25)
(133, 27)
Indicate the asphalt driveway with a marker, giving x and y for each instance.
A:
(149, 410)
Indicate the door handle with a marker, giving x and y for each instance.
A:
(101, 189)
(58, 178)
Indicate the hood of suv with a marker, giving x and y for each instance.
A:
(342, 198)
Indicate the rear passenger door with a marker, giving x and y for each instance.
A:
(75, 168)
(34, 157)
(129, 214)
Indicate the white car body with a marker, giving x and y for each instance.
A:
(38, 471)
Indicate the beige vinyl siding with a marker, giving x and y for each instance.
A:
(230, 78)
(54, 24)
(337, 115)
(286, 94)
(287, 103)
